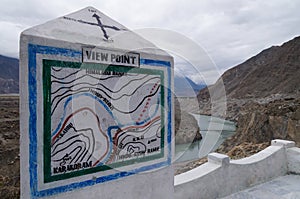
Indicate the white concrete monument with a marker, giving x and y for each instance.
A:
(96, 111)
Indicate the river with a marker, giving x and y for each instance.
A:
(213, 130)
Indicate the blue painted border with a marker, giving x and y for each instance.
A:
(33, 50)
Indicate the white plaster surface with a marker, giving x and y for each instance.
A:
(286, 143)
(154, 184)
(218, 158)
(216, 180)
(283, 187)
(293, 156)
(61, 33)
(74, 28)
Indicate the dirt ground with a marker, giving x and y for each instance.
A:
(9, 147)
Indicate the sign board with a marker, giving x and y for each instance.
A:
(99, 117)
(94, 55)
(95, 114)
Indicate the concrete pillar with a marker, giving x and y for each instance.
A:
(96, 111)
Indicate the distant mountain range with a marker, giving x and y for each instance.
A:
(9, 75)
(275, 70)
(185, 87)
(262, 96)
(9, 80)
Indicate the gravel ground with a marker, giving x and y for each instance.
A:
(9, 147)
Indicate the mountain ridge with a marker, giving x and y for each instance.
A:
(9, 76)
(262, 96)
(279, 63)
(9, 79)
(185, 87)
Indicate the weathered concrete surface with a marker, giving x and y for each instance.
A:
(220, 177)
(293, 156)
(64, 40)
(283, 187)
(154, 184)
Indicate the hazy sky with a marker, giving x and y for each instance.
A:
(230, 31)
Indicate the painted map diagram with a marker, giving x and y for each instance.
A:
(101, 117)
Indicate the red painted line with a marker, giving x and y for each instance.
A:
(122, 130)
(147, 102)
(151, 121)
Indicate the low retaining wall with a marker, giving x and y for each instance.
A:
(293, 158)
(222, 176)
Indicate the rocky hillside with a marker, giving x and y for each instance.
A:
(9, 75)
(186, 126)
(273, 71)
(262, 95)
(262, 122)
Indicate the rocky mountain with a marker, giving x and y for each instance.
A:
(9, 75)
(185, 87)
(186, 126)
(262, 96)
(9, 79)
(275, 70)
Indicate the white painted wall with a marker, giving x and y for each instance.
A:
(151, 185)
(64, 41)
(221, 177)
(293, 157)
